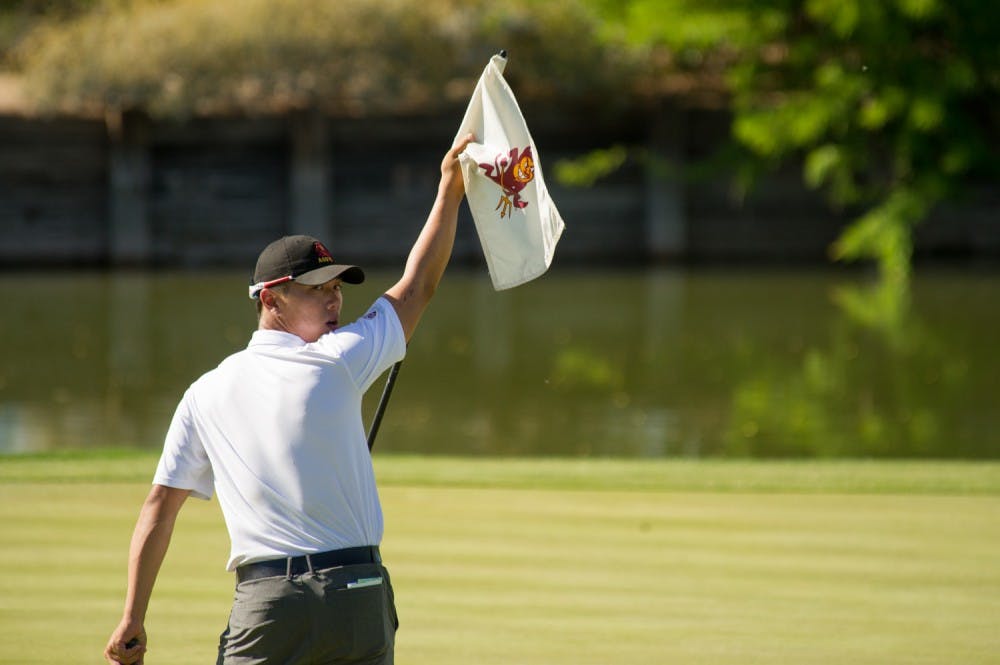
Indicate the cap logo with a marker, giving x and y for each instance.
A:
(322, 253)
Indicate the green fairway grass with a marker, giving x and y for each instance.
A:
(556, 562)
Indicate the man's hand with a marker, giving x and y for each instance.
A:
(127, 645)
(451, 169)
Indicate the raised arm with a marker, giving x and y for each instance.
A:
(432, 250)
(149, 545)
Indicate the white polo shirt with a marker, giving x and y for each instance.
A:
(276, 430)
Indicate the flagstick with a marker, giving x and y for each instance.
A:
(380, 411)
(391, 381)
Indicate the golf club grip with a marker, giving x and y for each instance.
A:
(383, 401)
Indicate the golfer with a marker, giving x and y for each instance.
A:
(276, 432)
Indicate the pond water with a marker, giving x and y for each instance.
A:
(650, 363)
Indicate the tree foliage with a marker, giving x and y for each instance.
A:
(890, 105)
(182, 57)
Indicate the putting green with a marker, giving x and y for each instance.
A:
(588, 573)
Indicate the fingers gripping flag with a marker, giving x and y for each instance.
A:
(517, 222)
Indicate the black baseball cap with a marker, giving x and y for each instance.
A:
(303, 259)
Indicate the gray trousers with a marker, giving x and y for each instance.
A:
(327, 617)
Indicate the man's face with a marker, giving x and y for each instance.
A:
(310, 311)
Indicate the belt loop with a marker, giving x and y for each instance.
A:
(288, 567)
(309, 563)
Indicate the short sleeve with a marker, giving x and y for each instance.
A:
(184, 464)
(370, 345)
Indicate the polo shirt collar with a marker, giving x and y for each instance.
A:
(275, 338)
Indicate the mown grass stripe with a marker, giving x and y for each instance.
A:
(665, 475)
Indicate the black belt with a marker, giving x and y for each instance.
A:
(307, 563)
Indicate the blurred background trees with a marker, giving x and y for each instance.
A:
(183, 57)
(889, 106)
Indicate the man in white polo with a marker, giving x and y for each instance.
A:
(275, 431)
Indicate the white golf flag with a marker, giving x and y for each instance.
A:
(517, 222)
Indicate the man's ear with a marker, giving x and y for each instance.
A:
(268, 299)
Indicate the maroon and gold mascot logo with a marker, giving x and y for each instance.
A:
(512, 172)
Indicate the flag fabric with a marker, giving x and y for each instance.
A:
(517, 222)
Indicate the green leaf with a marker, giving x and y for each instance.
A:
(586, 170)
(820, 163)
(926, 114)
(956, 160)
(919, 9)
(874, 114)
(841, 15)
(754, 130)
